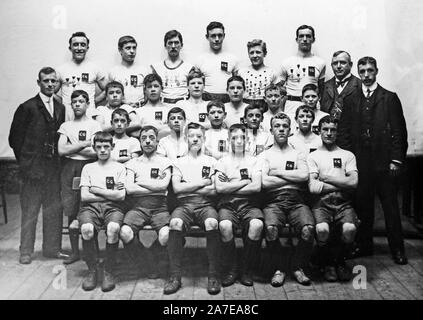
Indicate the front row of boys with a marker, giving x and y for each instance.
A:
(279, 173)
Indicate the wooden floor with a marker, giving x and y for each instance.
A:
(385, 280)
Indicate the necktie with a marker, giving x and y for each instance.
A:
(368, 93)
(340, 83)
(51, 106)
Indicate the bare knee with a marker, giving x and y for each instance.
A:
(226, 231)
(322, 232)
(210, 224)
(176, 224)
(163, 235)
(87, 231)
(112, 231)
(74, 225)
(255, 229)
(307, 233)
(271, 233)
(348, 232)
(126, 234)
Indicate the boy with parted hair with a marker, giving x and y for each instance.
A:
(75, 147)
(235, 87)
(310, 96)
(126, 147)
(284, 171)
(193, 184)
(257, 139)
(147, 180)
(174, 145)
(333, 177)
(304, 139)
(102, 194)
(217, 143)
(238, 180)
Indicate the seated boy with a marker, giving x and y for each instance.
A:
(174, 145)
(235, 86)
(146, 182)
(193, 184)
(216, 144)
(238, 180)
(102, 194)
(75, 145)
(284, 171)
(126, 147)
(310, 97)
(333, 176)
(257, 139)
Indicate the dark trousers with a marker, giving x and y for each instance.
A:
(371, 182)
(35, 194)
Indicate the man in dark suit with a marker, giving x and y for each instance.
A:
(342, 85)
(33, 138)
(372, 126)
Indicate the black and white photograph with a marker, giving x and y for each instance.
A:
(210, 156)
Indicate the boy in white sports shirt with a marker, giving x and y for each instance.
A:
(274, 96)
(173, 70)
(147, 180)
(310, 97)
(114, 97)
(238, 180)
(154, 111)
(193, 184)
(284, 172)
(129, 72)
(75, 145)
(258, 140)
(333, 177)
(175, 144)
(217, 143)
(195, 107)
(126, 147)
(235, 108)
(102, 194)
(304, 139)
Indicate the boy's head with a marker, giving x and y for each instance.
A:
(215, 34)
(310, 95)
(237, 137)
(79, 103)
(79, 45)
(328, 127)
(304, 116)
(273, 95)
(280, 127)
(120, 120)
(257, 50)
(195, 136)
(235, 86)
(114, 94)
(153, 86)
(196, 83)
(127, 46)
(148, 139)
(216, 113)
(253, 116)
(103, 145)
(176, 119)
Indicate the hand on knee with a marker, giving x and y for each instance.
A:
(126, 234)
(210, 224)
(74, 225)
(87, 231)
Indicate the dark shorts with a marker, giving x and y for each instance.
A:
(147, 210)
(335, 208)
(100, 214)
(71, 196)
(240, 210)
(287, 206)
(194, 210)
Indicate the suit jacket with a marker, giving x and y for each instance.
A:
(388, 131)
(33, 137)
(331, 101)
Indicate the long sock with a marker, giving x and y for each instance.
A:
(74, 241)
(213, 244)
(229, 256)
(111, 251)
(133, 250)
(175, 250)
(90, 252)
(274, 249)
(250, 255)
(302, 254)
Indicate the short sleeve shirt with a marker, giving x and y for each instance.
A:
(217, 141)
(256, 81)
(238, 169)
(145, 169)
(103, 176)
(172, 148)
(305, 145)
(194, 112)
(125, 147)
(256, 144)
(234, 115)
(174, 79)
(77, 131)
(155, 116)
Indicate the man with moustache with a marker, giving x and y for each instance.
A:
(340, 86)
(372, 126)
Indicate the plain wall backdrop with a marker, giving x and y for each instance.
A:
(35, 33)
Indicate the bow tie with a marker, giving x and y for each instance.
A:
(341, 83)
